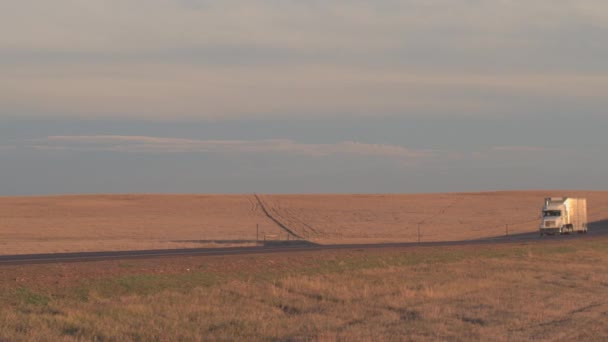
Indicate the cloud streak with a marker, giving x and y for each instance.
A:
(170, 92)
(146, 144)
(525, 149)
(274, 58)
(282, 147)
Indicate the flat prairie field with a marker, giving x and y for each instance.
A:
(547, 290)
(133, 222)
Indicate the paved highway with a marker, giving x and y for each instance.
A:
(300, 246)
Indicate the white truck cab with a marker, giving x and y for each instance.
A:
(563, 215)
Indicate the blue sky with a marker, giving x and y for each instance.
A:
(302, 96)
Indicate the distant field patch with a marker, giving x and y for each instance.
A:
(135, 222)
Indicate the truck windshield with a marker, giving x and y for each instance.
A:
(552, 213)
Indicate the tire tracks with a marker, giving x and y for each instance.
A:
(308, 229)
(275, 220)
(443, 210)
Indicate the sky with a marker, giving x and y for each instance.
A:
(283, 96)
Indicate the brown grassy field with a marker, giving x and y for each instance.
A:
(124, 222)
(546, 290)
(442, 217)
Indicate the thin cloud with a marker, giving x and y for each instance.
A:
(528, 149)
(273, 58)
(277, 91)
(146, 144)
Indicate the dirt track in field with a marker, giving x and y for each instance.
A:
(31, 225)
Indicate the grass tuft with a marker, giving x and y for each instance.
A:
(29, 297)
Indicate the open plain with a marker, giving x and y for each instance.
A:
(541, 289)
(136, 222)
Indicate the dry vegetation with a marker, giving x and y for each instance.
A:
(121, 222)
(125, 222)
(549, 290)
(442, 217)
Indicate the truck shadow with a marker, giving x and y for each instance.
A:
(599, 225)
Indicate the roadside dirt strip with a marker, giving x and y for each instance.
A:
(293, 246)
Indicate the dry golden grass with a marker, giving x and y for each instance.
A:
(442, 217)
(551, 290)
(125, 222)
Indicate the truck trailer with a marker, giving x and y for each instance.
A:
(563, 215)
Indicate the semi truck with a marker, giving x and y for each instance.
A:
(563, 215)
